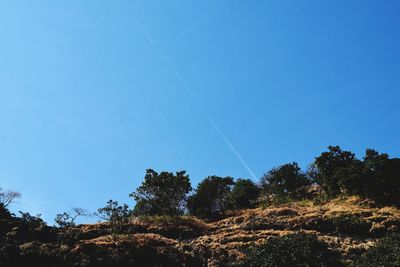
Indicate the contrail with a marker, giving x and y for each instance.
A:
(146, 33)
(199, 104)
(219, 131)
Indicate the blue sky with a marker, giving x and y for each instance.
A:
(92, 93)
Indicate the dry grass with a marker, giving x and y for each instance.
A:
(223, 241)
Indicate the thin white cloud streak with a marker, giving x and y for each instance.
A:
(199, 104)
(233, 149)
(146, 33)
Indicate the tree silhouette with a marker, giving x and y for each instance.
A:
(162, 193)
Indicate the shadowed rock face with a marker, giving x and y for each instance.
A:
(347, 225)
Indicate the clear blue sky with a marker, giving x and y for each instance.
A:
(92, 93)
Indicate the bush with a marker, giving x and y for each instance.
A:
(346, 224)
(4, 212)
(162, 194)
(385, 253)
(211, 197)
(31, 220)
(292, 250)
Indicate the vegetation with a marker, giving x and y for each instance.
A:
(292, 250)
(67, 219)
(116, 215)
(6, 198)
(375, 177)
(162, 193)
(211, 196)
(285, 181)
(244, 194)
(316, 200)
(385, 253)
(32, 220)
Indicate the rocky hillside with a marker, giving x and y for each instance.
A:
(348, 225)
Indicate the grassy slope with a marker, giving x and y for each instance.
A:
(347, 225)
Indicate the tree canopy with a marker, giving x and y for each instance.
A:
(211, 196)
(162, 193)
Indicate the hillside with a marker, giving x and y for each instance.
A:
(348, 225)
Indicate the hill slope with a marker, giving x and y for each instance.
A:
(348, 226)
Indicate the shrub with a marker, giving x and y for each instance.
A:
(292, 250)
(347, 224)
(162, 193)
(31, 220)
(385, 253)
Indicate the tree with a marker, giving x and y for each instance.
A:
(334, 166)
(284, 181)
(244, 194)
(116, 215)
(6, 198)
(67, 219)
(388, 190)
(211, 196)
(162, 193)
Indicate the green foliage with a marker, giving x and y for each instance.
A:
(285, 181)
(244, 194)
(385, 253)
(211, 196)
(162, 193)
(384, 181)
(292, 250)
(345, 224)
(376, 177)
(332, 166)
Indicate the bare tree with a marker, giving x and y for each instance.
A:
(67, 219)
(8, 197)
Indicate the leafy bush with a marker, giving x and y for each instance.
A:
(292, 250)
(162, 193)
(347, 224)
(385, 253)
